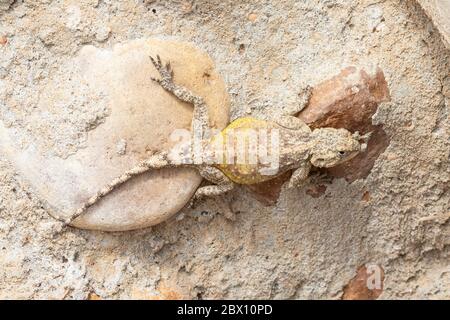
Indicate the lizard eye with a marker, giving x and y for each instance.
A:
(342, 153)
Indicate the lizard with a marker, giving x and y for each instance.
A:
(299, 148)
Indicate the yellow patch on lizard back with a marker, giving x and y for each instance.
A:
(240, 142)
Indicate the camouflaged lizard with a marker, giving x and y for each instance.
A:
(298, 147)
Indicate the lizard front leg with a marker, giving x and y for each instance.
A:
(288, 119)
(300, 176)
(292, 123)
(304, 97)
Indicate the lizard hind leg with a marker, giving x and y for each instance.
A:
(292, 123)
(200, 117)
(222, 184)
(165, 71)
(157, 161)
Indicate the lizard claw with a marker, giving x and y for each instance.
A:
(164, 70)
(157, 63)
(156, 80)
(320, 179)
(306, 93)
(159, 60)
(169, 69)
(304, 97)
(192, 203)
(153, 62)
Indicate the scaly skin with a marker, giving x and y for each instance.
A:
(295, 147)
(242, 129)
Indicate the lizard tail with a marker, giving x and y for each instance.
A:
(157, 161)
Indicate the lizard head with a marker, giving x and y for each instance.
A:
(334, 146)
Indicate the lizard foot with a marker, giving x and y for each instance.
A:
(227, 210)
(224, 206)
(165, 71)
(193, 203)
(306, 92)
(305, 96)
(320, 178)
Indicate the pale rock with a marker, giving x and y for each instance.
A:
(139, 112)
(102, 33)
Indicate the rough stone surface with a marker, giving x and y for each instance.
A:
(397, 217)
(5, 4)
(95, 106)
(439, 12)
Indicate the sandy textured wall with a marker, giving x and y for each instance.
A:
(304, 247)
(439, 12)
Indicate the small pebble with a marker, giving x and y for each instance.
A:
(355, 89)
(252, 17)
(102, 33)
(180, 216)
(3, 40)
(121, 147)
(366, 196)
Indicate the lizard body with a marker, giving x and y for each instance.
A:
(259, 132)
(285, 140)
